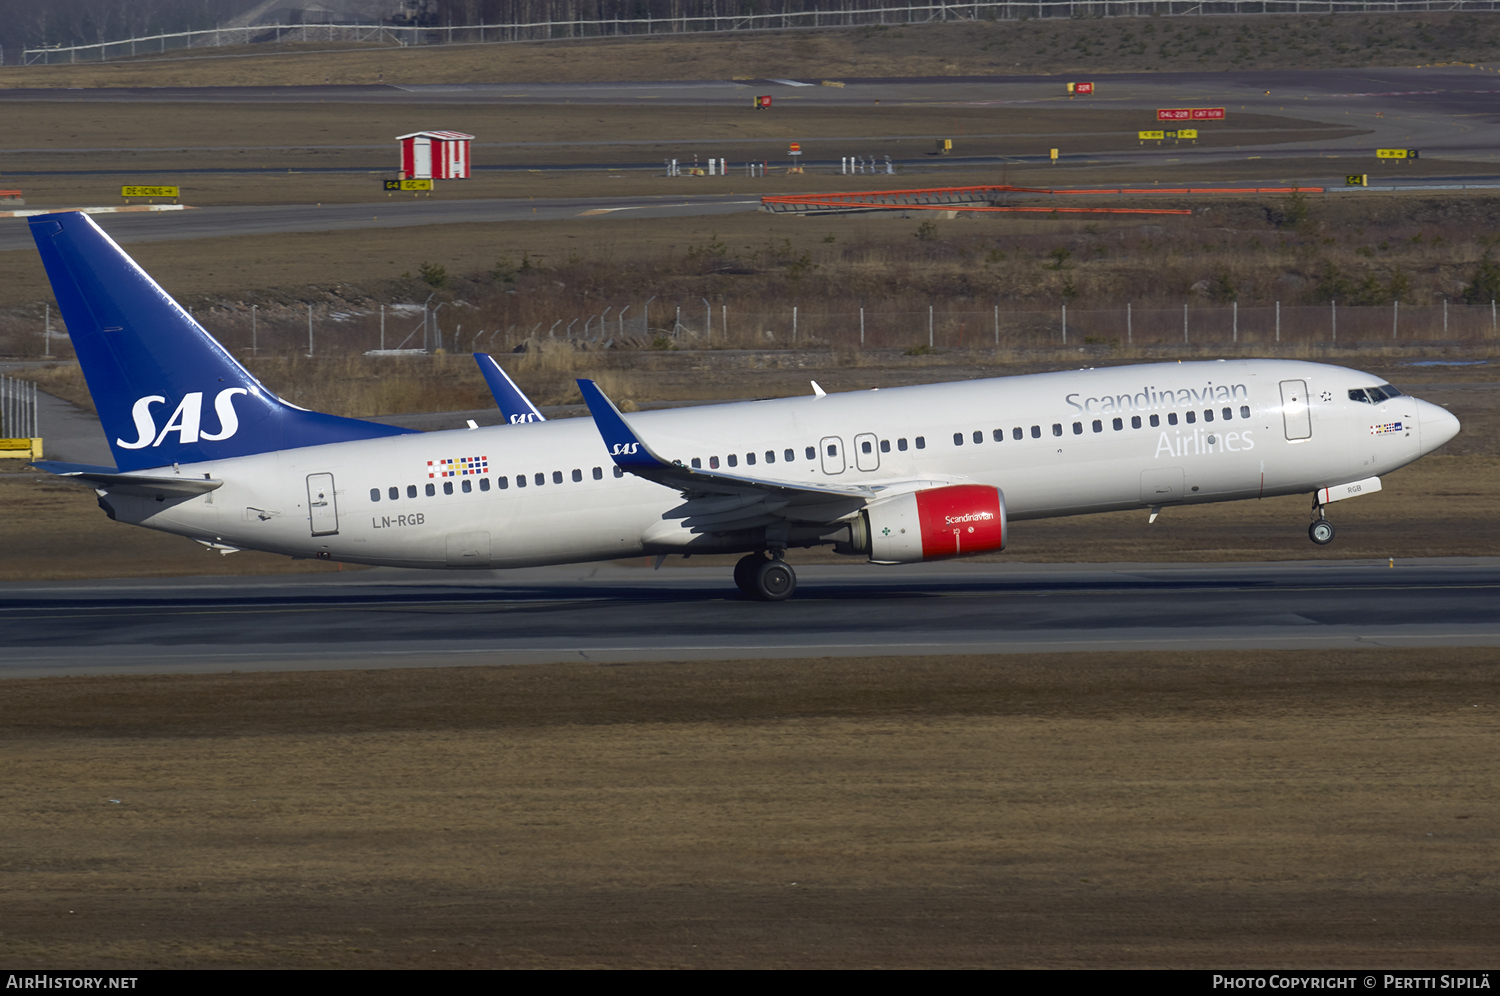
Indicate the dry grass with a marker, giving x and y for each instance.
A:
(955, 49)
(1125, 810)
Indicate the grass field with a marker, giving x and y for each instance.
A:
(1223, 810)
(954, 49)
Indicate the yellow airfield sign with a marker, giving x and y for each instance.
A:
(1397, 154)
(1152, 136)
(149, 192)
(408, 184)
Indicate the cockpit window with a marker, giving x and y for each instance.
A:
(1374, 395)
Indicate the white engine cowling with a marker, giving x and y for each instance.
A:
(931, 524)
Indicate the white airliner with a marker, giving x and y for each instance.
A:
(897, 476)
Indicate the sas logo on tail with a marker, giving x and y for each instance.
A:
(186, 421)
(519, 419)
(624, 449)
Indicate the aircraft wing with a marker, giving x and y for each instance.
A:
(513, 404)
(718, 502)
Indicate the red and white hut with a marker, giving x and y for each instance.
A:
(435, 155)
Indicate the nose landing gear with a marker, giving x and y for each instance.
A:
(1321, 530)
(766, 579)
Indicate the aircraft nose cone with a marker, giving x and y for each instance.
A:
(1438, 425)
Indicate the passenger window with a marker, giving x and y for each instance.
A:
(467, 487)
(812, 452)
(599, 471)
(1036, 432)
(1077, 428)
(697, 463)
(749, 459)
(921, 442)
(788, 455)
(619, 472)
(520, 480)
(411, 491)
(978, 436)
(1171, 418)
(1057, 428)
(1155, 421)
(394, 493)
(1119, 424)
(1192, 417)
(866, 447)
(958, 439)
(1244, 411)
(1135, 421)
(1208, 415)
(1098, 426)
(1018, 433)
(447, 487)
(734, 461)
(885, 446)
(1228, 414)
(503, 482)
(557, 477)
(998, 435)
(540, 478)
(713, 463)
(484, 484)
(901, 445)
(833, 449)
(431, 490)
(770, 456)
(577, 475)
(374, 494)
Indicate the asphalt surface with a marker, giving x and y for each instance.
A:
(617, 614)
(1446, 112)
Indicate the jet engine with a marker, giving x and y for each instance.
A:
(928, 525)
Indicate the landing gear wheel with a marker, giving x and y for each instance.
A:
(744, 573)
(774, 581)
(1321, 532)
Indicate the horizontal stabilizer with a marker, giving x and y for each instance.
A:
(109, 479)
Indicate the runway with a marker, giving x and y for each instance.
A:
(610, 613)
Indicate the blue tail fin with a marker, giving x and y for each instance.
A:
(514, 405)
(165, 390)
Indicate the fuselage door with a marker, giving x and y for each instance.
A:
(322, 507)
(832, 451)
(866, 452)
(1294, 409)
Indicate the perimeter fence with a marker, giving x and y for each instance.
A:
(665, 325)
(845, 16)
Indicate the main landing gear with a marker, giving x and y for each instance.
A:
(1321, 530)
(766, 579)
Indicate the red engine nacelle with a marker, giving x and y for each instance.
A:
(930, 525)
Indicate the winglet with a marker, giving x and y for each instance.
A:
(513, 404)
(625, 448)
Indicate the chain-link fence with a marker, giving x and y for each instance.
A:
(645, 24)
(658, 324)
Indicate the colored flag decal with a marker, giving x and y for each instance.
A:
(1380, 430)
(458, 466)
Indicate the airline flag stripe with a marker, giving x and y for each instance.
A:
(458, 466)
